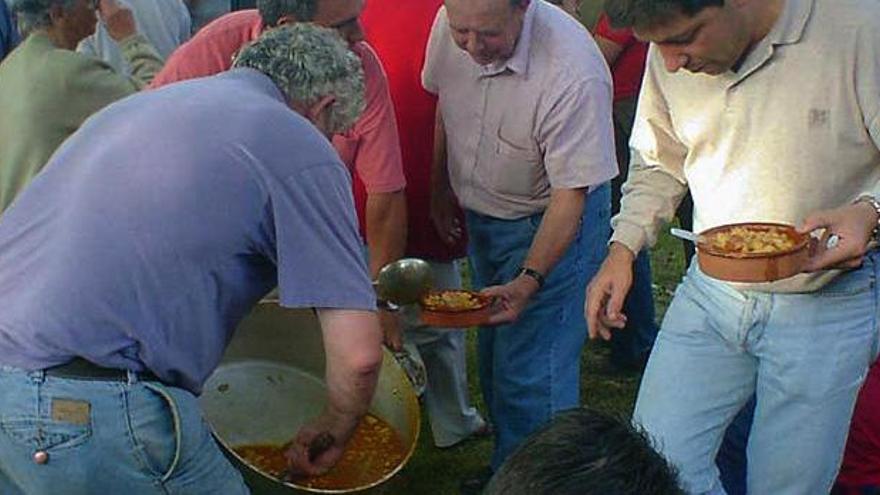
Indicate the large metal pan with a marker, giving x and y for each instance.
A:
(270, 382)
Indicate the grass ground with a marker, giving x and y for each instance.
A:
(433, 471)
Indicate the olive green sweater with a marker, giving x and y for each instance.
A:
(46, 93)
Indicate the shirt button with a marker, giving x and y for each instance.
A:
(41, 457)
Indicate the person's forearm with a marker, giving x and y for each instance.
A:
(439, 172)
(142, 57)
(650, 198)
(353, 349)
(386, 228)
(557, 229)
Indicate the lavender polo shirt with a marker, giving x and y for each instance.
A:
(157, 226)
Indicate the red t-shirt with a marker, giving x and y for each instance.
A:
(861, 461)
(630, 64)
(398, 31)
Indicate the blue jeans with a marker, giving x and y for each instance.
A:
(530, 369)
(804, 357)
(132, 438)
(631, 345)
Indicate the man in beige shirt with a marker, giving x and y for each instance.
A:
(524, 133)
(775, 117)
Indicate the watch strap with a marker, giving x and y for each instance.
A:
(528, 272)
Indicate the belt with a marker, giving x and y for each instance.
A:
(81, 369)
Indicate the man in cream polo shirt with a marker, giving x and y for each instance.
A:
(525, 145)
(766, 110)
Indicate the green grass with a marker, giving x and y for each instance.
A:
(433, 471)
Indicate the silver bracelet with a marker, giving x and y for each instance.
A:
(872, 201)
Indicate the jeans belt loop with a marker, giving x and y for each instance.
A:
(37, 376)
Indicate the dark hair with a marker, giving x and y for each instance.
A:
(34, 14)
(273, 10)
(641, 13)
(585, 452)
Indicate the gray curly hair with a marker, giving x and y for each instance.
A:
(34, 14)
(272, 10)
(308, 62)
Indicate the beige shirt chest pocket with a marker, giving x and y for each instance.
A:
(516, 167)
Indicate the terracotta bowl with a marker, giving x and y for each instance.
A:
(736, 266)
(443, 316)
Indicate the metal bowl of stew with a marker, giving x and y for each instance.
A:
(270, 382)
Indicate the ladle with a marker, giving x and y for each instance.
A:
(404, 281)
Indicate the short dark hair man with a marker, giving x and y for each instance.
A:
(585, 452)
(718, 117)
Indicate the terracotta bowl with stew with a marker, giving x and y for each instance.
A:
(455, 308)
(752, 252)
(271, 382)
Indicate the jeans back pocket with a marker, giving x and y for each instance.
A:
(66, 424)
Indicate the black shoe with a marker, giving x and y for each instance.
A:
(475, 484)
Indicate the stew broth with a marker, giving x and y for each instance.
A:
(374, 451)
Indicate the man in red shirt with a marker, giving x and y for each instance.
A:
(399, 33)
(370, 149)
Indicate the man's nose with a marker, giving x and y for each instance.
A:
(474, 47)
(673, 58)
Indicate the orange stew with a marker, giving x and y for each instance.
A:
(453, 301)
(373, 452)
(752, 240)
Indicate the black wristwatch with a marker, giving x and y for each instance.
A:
(532, 273)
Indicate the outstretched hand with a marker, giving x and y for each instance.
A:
(510, 299)
(607, 291)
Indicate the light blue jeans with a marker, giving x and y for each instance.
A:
(131, 438)
(530, 369)
(804, 356)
